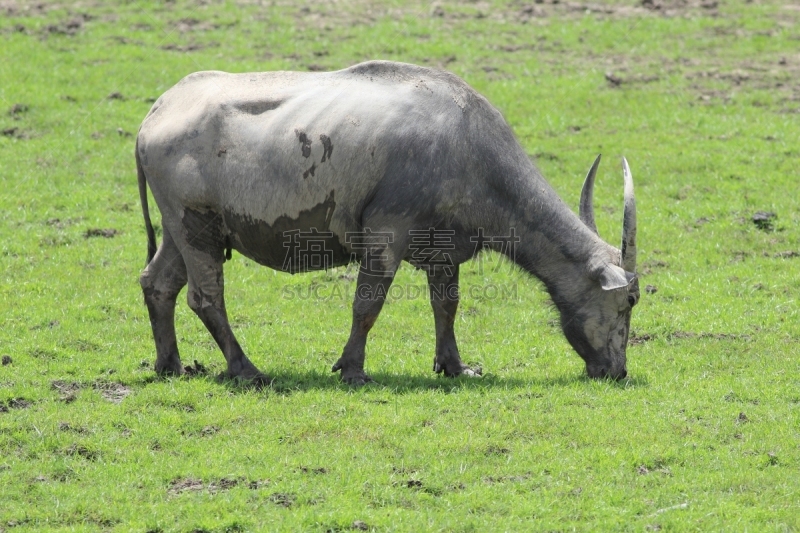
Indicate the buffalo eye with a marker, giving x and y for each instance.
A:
(631, 300)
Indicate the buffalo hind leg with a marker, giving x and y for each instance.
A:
(443, 287)
(371, 289)
(204, 256)
(162, 281)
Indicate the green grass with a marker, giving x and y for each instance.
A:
(705, 433)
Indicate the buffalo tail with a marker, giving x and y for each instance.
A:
(151, 234)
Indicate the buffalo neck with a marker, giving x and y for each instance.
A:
(546, 238)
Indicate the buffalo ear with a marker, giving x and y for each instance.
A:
(613, 277)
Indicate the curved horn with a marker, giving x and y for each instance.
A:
(628, 222)
(587, 197)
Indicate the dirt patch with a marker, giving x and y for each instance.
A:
(49, 325)
(648, 267)
(14, 403)
(186, 25)
(65, 387)
(68, 27)
(732, 397)
(111, 391)
(68, 390)
(82, 451)
(309, 470)
(191, 47)
(789, 254)
(283, 499)
(16, 110)
(66, 426)
(11, 8)
(507, 479)
(98, 232)
(177, 486)
(7, 360)
(637, 339)
(496, 450)
(209, 430)
(17, 133)
(180, 485)
(764, 220)
(61, 224)
(644, 8)
(197, 370)
(659, 468)
(716, 336)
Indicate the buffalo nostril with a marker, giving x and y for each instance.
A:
(623, 374)
(603, 373)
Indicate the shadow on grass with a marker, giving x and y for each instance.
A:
(289, 382)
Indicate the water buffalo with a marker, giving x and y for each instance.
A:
(301, 171)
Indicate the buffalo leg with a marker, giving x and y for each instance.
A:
(371, 289)
(443, 286)
(204, 256)
(162, 281)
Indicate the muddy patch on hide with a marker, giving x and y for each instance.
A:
(204, 231)
(327, 146)
(305, 143)
(257, 107)
(290, 244)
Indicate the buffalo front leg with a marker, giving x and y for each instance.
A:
(162, 281)
(371, 289)
(443, 287)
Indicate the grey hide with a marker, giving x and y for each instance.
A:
(361, 162)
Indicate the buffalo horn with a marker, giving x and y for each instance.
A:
(628, 221)
(587, 197)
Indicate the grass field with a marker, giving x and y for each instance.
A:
(704, 435)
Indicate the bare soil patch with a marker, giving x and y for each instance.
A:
(636, 339)
(180, 485)
(111, 391)
(706, 335)
(68, 390)
(98, 232)
(14, 403)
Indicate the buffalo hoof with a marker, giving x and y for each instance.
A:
(356, 379)
(169, 368)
